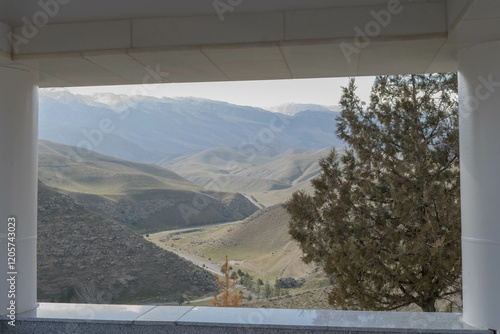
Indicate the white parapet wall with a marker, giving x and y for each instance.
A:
(127, 319)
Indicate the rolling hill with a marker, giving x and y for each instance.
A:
(85, 252)
(270, 174)
(146, 198)
(211, 161)
(260, 245)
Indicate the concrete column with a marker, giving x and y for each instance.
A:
(479, 98)
(18, 186)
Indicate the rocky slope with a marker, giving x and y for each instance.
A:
(85, 257)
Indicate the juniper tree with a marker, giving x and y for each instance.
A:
(384, 219)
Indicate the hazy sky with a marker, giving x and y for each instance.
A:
(264, 94)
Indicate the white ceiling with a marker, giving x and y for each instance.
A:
(12, 11)
(89, 42)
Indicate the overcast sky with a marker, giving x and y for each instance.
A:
(263, 94)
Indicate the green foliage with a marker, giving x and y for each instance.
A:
(259, 282)
(67, 295)
(277, 288)
(384, 221)
(268, 290)
(234, 275)
(223, 268)
(246, 281)
(241, 273)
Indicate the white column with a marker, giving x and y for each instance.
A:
(479, 97)
(18, 185)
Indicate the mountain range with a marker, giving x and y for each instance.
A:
(294, 108)
(150, 130)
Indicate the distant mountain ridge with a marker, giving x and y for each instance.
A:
(294, 108)
(148, 129)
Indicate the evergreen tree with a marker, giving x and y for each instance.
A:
(384, 220)
(268, 290)
(277, 288)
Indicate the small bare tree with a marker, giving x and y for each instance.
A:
(227, 296)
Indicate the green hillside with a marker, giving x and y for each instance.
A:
(93, 173)
(289, 169)
(268, 173)
(146, 198)
(260, 244)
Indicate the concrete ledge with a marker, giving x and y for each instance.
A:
(128, 319)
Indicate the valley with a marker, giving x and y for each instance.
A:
(145, 198)
(268, 175)
(259, 245)
(196, 179)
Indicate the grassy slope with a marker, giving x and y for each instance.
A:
(103, 175)
(271, 177)
(146, 198)
(260, 244)
(301, 168)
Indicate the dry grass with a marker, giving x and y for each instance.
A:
(260, 244)
(317, 299)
